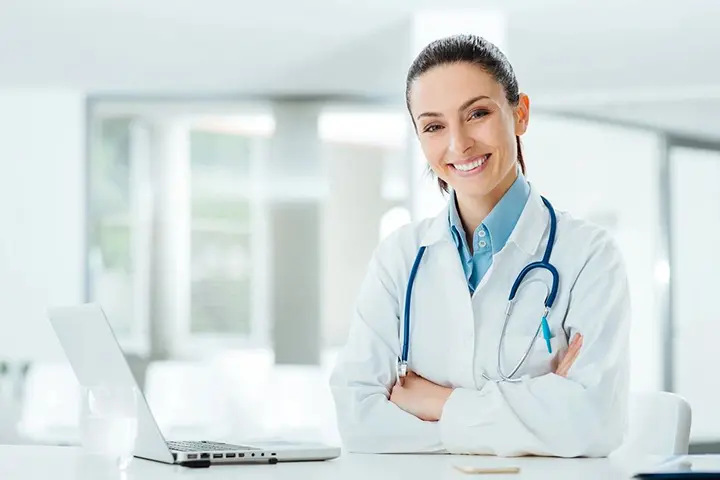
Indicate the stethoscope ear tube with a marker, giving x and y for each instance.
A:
(402, 362)
(408, 299)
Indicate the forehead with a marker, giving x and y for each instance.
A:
(446, 87)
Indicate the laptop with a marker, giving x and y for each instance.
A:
(97, 359)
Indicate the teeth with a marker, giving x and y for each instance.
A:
(466, 167)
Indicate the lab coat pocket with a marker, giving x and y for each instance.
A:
(538, 362)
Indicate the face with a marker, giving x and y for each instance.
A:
(467, 128)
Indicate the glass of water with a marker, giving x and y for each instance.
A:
(108, 422)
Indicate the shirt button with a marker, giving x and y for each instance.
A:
(481, 233)
(482, 244)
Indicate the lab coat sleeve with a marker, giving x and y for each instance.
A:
(581, 415)
(364, 374)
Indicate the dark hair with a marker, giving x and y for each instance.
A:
(467, 49)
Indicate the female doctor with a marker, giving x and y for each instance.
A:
(501, 325)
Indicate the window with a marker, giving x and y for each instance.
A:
(182, 191)
(221, 226)
(110, 226)
(695, 212)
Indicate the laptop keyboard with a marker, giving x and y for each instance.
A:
(205, 447)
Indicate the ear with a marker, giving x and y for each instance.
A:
(522, 114)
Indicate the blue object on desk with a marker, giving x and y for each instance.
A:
(680, 470)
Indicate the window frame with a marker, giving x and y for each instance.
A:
(231, 114)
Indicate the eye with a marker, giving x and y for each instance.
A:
(480, 113)
(433, 127)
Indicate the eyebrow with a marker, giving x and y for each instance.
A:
(462, 107)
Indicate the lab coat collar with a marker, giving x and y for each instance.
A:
(438, 230)
(531, 225)
(527, 234)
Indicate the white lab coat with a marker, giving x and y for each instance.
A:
(454, 339)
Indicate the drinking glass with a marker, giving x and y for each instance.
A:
(108, 422)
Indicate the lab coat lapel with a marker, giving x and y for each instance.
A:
(523, 245)
(444, 281)
(490, 299)
(451, 305)
(531, 225)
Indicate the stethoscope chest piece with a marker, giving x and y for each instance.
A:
(401, 369)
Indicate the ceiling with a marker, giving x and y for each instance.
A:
(645, 62)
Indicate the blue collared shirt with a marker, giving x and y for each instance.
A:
(492, 234)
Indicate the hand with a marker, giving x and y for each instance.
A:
(420, 397)
(566, 360)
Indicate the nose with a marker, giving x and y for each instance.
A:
(460, 141)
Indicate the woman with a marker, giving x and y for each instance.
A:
(568, 398)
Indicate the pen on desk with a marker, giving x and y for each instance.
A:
(487, 470)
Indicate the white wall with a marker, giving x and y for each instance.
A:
(42, 192)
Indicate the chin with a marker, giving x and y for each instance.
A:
(475, 187)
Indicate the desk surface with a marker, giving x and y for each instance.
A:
(65, 463)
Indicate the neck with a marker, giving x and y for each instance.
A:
(474, 209)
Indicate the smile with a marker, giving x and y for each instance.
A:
(473, 165)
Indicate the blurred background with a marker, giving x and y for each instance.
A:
(217, 174)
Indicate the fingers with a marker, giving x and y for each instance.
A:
(569, 358)
(555, 362)
(575, 343)
(570, 355)
(561, 356)
(402, 381)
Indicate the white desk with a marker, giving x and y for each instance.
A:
(66, 463)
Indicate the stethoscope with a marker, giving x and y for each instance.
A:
(402, 362)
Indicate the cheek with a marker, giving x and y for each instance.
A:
(497, 135)
(493, 133)
(433, 149)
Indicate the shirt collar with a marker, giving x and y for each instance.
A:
(527, 234)
(502, 219)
